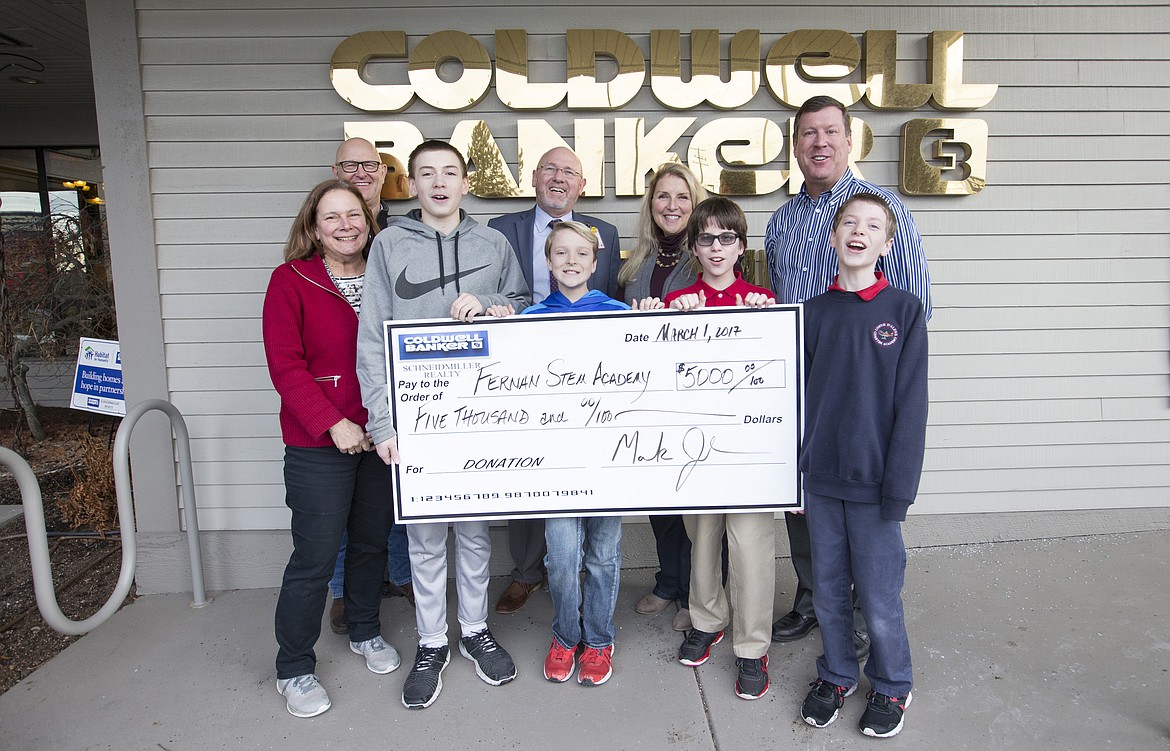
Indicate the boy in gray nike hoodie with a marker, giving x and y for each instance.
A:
(437, 262)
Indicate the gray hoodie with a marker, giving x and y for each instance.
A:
(416, 272)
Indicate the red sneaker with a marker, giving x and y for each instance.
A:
(596, 666)
(560, 663)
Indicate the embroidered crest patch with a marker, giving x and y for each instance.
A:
(885, 334)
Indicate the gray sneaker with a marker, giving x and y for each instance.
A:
(306, 697)
(492, 662)
(381, 658)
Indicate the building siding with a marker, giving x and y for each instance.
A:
(1050, 372)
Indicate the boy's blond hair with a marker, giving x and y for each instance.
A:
(586, 233)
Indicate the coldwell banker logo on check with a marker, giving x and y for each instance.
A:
(440, 345)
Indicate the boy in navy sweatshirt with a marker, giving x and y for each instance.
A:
(864, 439)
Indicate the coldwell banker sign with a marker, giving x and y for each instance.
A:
(456, 344)
(97, 387)
(605, 69)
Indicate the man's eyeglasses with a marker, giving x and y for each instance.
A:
(725, 238)
(350, 167)
(550, 171)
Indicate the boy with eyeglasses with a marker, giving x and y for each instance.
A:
(717, 230)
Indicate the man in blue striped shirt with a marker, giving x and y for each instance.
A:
(803, 265)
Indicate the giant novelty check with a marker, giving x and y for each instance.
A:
(597, 414)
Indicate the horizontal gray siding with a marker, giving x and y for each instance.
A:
(49, 381)
(1050, 343)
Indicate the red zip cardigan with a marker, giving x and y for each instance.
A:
(310, 341)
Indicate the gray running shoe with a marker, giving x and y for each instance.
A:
(306, 697)
(381, 658)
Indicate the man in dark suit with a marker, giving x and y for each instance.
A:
(559, 182)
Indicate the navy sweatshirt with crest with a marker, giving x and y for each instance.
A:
(865, 397)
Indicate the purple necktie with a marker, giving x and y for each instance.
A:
(553, 287)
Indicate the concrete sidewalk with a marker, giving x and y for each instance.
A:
(1053, 644)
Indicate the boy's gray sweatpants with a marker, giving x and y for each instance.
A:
(428, 568)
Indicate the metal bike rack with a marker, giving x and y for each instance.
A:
(38, 542)
(186, 478)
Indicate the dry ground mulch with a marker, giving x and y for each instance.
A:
(85, 570)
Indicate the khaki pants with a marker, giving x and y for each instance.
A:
(751, 546)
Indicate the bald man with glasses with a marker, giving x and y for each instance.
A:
(358, 162)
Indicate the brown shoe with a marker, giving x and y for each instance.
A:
(390, 589)
(651, 604)
(337, 623)
(682, 620)
(514, 597)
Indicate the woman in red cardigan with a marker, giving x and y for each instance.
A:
(334, 481)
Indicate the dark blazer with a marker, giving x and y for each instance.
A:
(518, 229)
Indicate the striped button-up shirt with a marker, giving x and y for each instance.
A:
(803, 263)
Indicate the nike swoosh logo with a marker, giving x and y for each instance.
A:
(408, 290)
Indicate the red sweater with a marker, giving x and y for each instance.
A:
(310, 341)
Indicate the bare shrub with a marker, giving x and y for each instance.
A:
(54, 288)
(92, 501)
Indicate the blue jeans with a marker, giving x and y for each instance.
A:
(852, 546)
(329, 493)
(397, 561)
(801, 550)
(596, 541)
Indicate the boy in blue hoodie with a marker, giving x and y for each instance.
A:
(571, 252)
(861, 458)
(582, 621)
(437, 262)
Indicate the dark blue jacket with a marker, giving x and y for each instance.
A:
(518, 229)
(865, 398)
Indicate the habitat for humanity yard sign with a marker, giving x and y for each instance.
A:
(97, 387)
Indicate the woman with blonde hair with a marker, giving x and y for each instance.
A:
(660, 264)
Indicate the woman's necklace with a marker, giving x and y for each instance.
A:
(670, 250)
(667, 260)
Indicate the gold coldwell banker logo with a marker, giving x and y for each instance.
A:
(731, 155)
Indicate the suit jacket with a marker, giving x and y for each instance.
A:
(518, 229)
